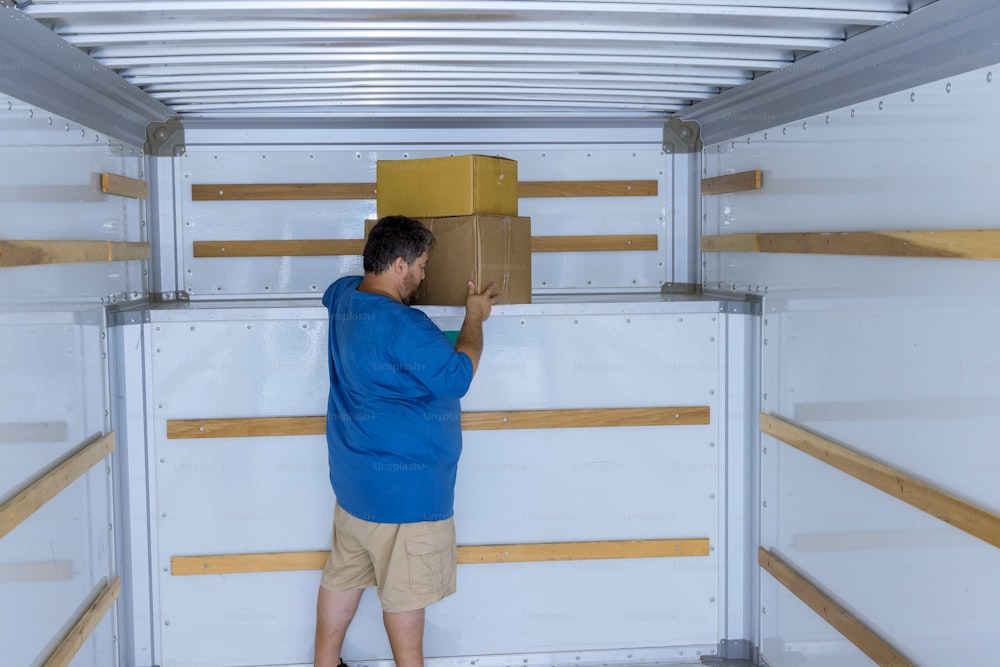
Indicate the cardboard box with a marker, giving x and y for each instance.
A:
(481, 248)
(446, 186)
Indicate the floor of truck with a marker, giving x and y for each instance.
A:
(712, 663)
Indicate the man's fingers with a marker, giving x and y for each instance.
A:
(491, 290)
(472, 288)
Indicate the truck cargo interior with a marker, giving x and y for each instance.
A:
(739, 404)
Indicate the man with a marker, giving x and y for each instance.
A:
(394, 439)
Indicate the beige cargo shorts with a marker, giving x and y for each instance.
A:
(413, 565)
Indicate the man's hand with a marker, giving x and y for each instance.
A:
(477, 310)
(478, 306)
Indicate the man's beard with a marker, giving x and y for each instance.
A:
(411, 296)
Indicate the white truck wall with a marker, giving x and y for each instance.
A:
(56, 377)
(894, 357)
(214, 154)
(238, 346)
(272, 494)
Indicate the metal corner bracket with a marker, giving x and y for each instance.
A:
(734, 649)
(681, 136)
(694, 289)
(165, 139)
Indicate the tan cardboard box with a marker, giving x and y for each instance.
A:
(446, 186)
(481, 248)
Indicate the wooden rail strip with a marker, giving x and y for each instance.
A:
(467, 555)
(563, 551)
(123, 186)
(876, 648)
(281, 191)
(279, 248)
(585, 418)
(70, 645)
(946, 507)
(471, 421)
(744, 180)
(29, 253)
(956, 243)
(42, 490)
(597, 243)
(731, 243)
(587, 189)
(304, 191)
(251, 427)
(326, 247)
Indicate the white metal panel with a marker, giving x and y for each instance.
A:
(54, 396)
(890, 356)
(99, 650)
(937, 39)
(51, 191)
(918, 159)
(817, 644)
(741, 482)
(273, 494)
(129, 356)
(53, 399)
(49, 566)
(247, 220)
(429, 48)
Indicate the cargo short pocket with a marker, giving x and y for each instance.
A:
(430, 558)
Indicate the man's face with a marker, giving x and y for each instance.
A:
(414, 276)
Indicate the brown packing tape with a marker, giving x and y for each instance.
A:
(505, 285)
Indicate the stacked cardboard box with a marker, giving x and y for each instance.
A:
(469, 202)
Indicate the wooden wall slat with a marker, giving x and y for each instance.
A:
(279, 248)
(70, 645)
(29, 253)
(310, 191)
(587, 188)
(731, 243)
(964, 243)
(123, 186)
(178, 429)
(946, 507)
(744, 180)
(584, 418)
(57, 478)
(565, 551)
(467, 555)
(876, 648)
(594, 243)
(290, 561)
(471, 421)
(957, 243)
(281, 191)
(325, 247)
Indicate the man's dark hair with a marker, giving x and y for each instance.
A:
(395, 236)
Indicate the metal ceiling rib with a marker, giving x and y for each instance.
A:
(406, 58)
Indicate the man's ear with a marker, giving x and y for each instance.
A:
(399, 264)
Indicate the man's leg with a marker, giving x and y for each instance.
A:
(406, 636)
(334, 611)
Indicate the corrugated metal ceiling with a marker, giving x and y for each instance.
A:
(451, 58)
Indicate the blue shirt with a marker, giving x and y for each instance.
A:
(393, 427)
